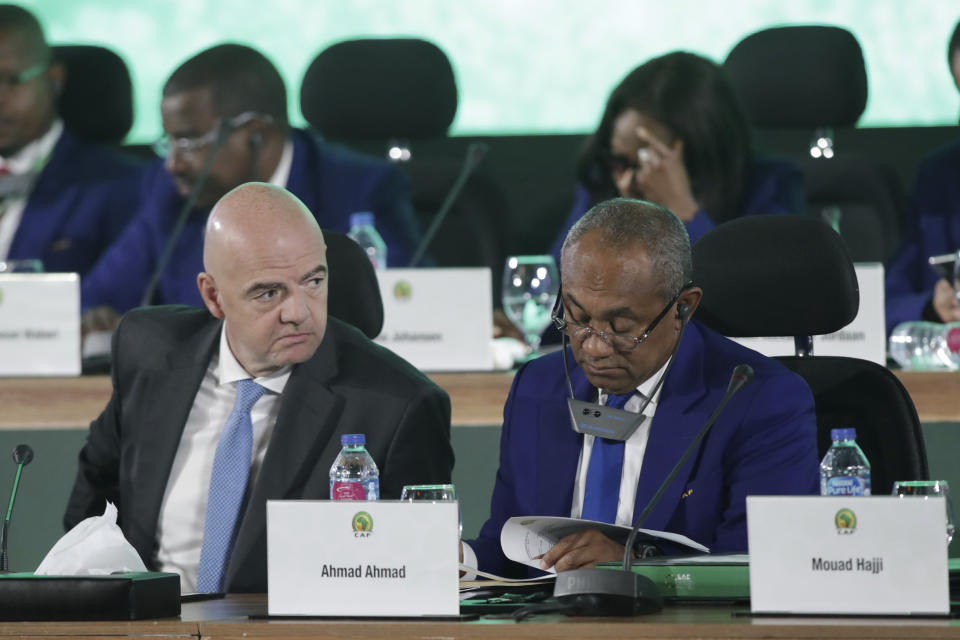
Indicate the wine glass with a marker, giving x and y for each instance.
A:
(530, 288)
(925, 489)
(433, 493)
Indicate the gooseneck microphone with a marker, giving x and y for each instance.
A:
(22, 455)
(224, 129)
(606, 592)
(475, 153)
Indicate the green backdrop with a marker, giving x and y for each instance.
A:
(523, 66)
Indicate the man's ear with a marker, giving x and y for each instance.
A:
(210, 294)
(58, 76)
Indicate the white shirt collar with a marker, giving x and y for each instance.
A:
(281, 175)
(35, 153)
(229, 370)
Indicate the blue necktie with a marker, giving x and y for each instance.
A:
(228, 485)
(602, 491)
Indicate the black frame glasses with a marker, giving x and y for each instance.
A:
(191, 146)
(14, 80)
(621, 342)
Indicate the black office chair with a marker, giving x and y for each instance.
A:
(812, 80)
(398, 96)
(765, 276)
(97, 98)
(354, 294)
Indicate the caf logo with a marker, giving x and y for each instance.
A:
(846, 521)
(402, 290)
(362, 524)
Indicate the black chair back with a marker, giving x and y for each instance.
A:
(97, 98)
(354, 294)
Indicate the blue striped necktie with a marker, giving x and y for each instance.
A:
(228, 485)
(602, 491)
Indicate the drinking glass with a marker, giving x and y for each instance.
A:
(530, 288)
(433, 493)
(925, 489)
(21, 266)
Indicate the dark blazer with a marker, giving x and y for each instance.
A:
(765, 442)
(351, 385)
(933, 229)
(82, 200)
(331, 180)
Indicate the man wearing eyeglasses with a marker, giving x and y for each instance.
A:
(63, 201)
(626, 308)
(224, 116)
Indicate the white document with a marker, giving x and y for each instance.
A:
(526, 539)
(39, 324)
(358, 558)
(848, 555)
(865, 337)
(438, 319)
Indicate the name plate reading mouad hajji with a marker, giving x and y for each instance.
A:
(356, 558)
(848, 555)
(438, 319)
(39, 324)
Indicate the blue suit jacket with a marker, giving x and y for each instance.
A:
(934, 229)
(332, 181)
(83, 198)
(773, 186)
(765, 442)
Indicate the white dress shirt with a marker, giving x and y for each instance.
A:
(281, 175)
(184, 507)
(31, 158)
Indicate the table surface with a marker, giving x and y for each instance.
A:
(231, 618)
(476, 398)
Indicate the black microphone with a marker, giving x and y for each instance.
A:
(224, 129)
(22, 455)
(475, 153)
(607, 592)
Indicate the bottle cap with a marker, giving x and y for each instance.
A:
(361, 219)
(843, 434)
(352, 439)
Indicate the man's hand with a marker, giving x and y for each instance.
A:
(583, 549)
(945, 302)
(99, 319)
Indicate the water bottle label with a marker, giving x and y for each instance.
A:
(846, 486)
(347, 491)
(953, 339)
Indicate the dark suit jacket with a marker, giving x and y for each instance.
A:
(934, 229)
(351, 385)
(331, 180)
(82, 200)
(765, 442)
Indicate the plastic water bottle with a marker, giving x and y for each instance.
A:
(365, 234)
(354, 474)
(925, 346)
(844, 471)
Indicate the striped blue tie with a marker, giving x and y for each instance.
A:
(602, 491)
(228, 485)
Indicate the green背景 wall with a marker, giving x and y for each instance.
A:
(524, 67)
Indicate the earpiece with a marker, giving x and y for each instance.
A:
(256, 140)
(683, 310)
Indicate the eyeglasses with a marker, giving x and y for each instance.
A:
(14, 80)
(191, 146)
(620, 342)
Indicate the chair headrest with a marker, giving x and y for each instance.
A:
(799, 76)
(97, 98)
(775, 275)
(354, 294)
(364, 89)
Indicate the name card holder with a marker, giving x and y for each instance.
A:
(879, 555)
(356, 558)
(39, 324)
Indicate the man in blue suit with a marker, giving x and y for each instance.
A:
(226, 107)
(627, 301)
(63, 201)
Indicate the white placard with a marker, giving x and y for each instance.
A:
(865, 337)
(438, 319)
(39, 324)
(861, 555)
(378, 558)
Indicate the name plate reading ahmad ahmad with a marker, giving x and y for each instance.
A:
(359, 558)
(39, 324)
(848, 555)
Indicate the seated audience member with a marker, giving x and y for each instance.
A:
(673, 132)
(914, 290)
(627, 300)
(300, 380)
(226, 107)
(63, 201)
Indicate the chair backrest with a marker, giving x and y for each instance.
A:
(97, 98)
(354, 295)
(792, 276)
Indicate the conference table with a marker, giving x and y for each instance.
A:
(244, 616)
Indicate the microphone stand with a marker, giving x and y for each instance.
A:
(22, 455)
